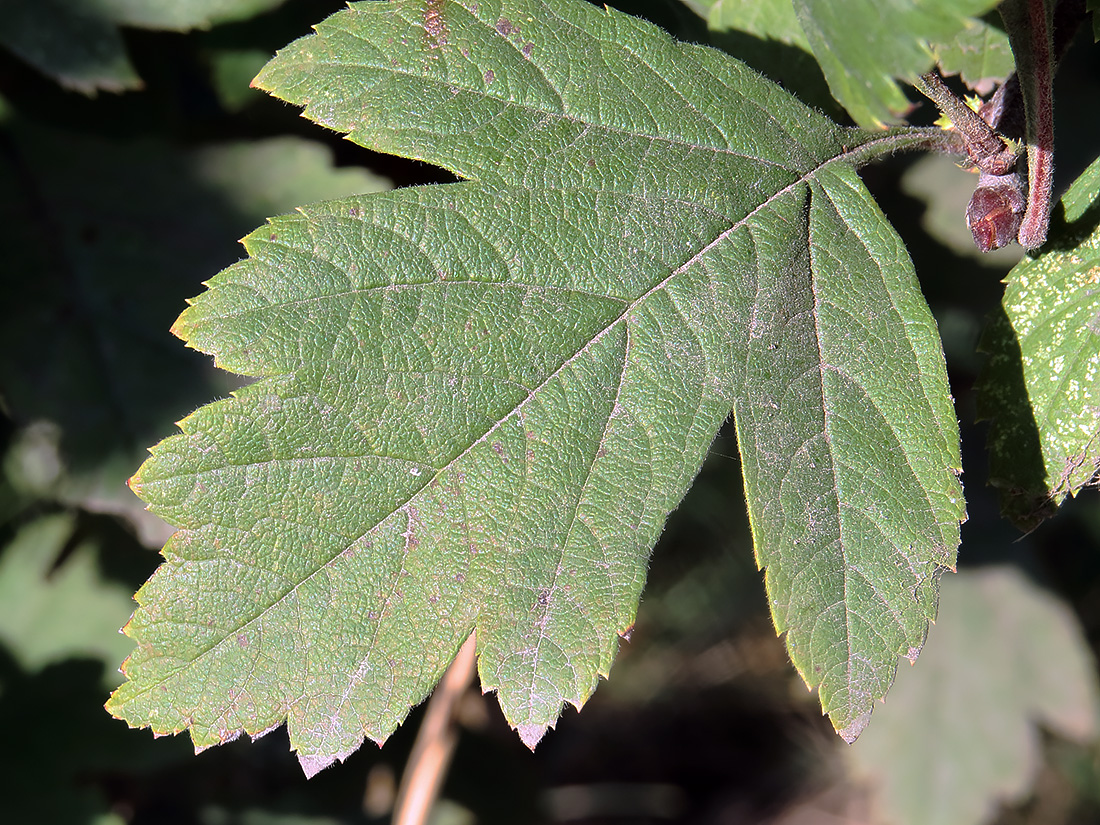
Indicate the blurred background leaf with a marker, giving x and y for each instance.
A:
(54, 604)
(79, 44)
(958, 734)
(80, 49)
(109, 237)
(703, 719)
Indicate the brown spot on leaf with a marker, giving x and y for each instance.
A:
(242, 640)
(490, 76)
(527, 49)
(506, 27)
(434, 26)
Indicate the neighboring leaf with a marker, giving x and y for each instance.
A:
(47, 614)
(479, 401)
(772, 19)
(979, 52)
(767, 36)
(1041, 386)
(863, 46)
(80, 49)
(957, 736)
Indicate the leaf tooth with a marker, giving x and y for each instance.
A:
(531, 735)
(313, 764)
(851, 732)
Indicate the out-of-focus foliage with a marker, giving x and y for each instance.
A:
(115, 210)
(79, 43)
(958, 735)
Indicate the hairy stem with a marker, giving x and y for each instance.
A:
(1030, 30)
(986, 148)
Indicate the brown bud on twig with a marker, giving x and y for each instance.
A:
(996, 210)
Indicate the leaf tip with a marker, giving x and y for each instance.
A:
(531, 735)
(850, 733)
(313, 764)
(179, 328)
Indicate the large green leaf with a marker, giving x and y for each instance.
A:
(958, 733)
(1040, 387)
(478, 402)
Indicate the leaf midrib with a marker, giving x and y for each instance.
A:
(842, 544)
(573, 119)
(552, 87)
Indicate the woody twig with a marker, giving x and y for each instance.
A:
(1006, 205)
